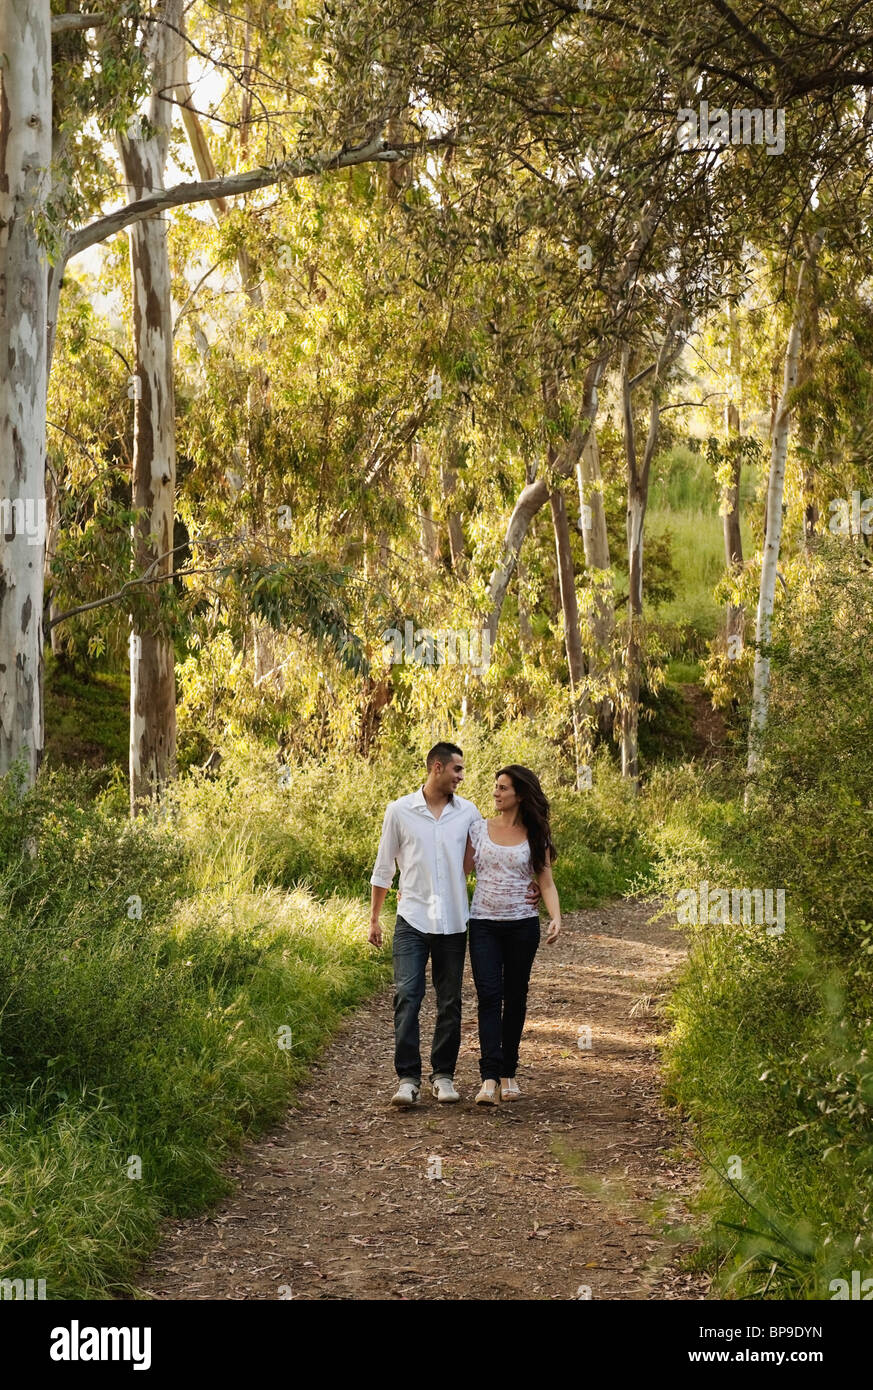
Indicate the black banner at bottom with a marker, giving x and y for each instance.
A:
(143, 1338)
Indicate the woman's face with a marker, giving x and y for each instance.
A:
(505, 798)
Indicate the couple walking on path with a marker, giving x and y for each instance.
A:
(437, 838)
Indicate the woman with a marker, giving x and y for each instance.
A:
(508, 853)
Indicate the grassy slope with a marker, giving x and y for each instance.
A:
(684, 501)
(771, 1036)
(87, 718)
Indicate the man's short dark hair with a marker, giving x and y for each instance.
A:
(443, 753)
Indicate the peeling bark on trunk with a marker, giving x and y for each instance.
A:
(25, 157)
(733, 539)
(775, 493)
(572, 636)
(595, 540)
(152, 664)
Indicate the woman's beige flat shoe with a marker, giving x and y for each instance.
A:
(509, 1089)
(489, 1094)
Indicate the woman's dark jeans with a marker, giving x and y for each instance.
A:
(502, 956)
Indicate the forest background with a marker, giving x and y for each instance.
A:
(380, 373)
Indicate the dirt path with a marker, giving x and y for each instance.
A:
(536, 1200)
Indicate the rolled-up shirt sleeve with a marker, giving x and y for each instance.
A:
(389, 845)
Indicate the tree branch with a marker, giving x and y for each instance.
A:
(131, 584)
(66, 23)
(741, 28)
(374, 150)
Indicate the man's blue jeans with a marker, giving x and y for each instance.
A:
(410, 952)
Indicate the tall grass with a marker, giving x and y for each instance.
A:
(145, 990)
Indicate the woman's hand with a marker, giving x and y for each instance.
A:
(554, 931)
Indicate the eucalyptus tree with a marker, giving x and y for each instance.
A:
(638, 473)
(143, 149)
(775, 494)
(52, 212)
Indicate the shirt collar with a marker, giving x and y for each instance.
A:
(419, 803)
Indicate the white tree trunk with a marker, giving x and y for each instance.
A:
(572, 637)
(595, 540)
(733, 537)
(25, 157)
(775, 494)
(152, 664)
(630, 754)
(535, 494)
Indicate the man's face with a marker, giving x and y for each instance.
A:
(450, 775)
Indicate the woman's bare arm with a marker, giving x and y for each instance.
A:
(553, 906)
(469, 857)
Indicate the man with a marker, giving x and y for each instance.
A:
(425, 834)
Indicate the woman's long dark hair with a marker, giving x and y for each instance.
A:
(533, 812)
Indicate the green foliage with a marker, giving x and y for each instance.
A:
(304, 595)
(318, 822)
(683, 482)
(772, 1036)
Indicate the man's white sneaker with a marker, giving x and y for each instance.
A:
(407, 1094)
(444, 1089)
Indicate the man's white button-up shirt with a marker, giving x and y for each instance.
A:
(429, 852)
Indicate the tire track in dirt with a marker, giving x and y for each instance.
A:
(536, 1199)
